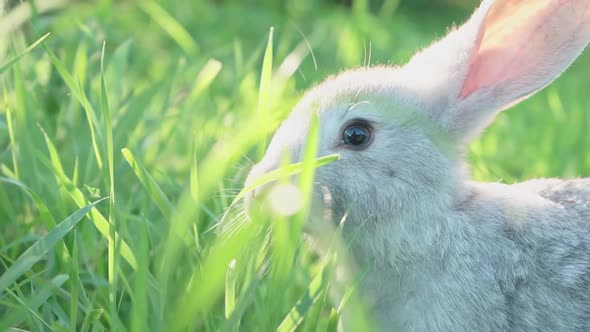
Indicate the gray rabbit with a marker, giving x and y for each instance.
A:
(445, 253)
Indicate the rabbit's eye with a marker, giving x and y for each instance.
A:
(356, 135)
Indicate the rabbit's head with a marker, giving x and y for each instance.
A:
(400, 131)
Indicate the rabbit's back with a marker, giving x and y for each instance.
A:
(545, 276)
(573, 195)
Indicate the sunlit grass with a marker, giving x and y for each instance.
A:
(163, 107)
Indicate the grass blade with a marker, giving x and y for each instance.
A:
(41, 247)
(308, 172)
(285, 172)
(215, 165)
(205, 78)
(112, 244)
(79, 94)
(169, 24)
(33, 304)
(91, 318)
(333, 321)
(44, 213)
(12, 61)
(149, 183)
(13, 145)
(264, 93)
(233, 322)
(308, 299)
(207, 281)
(97, 218)
(140, 305)
(75, 273)
(230, 289)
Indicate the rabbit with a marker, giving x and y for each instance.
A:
(442, 252)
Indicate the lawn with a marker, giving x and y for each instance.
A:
(127, 129)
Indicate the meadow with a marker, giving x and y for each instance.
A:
(127, 129)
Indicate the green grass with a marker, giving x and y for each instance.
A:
(157, 106)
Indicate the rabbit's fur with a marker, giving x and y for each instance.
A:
(444, 253)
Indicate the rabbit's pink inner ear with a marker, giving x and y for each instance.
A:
(523, 38)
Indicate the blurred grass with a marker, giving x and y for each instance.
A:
(163, 120)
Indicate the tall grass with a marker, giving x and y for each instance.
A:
(126, 131)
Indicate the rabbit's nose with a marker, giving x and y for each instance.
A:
(259, 191)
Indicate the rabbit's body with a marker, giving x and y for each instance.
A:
(444, 253)
(573, 195)
(505, 259)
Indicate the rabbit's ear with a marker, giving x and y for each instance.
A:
(508, 50)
